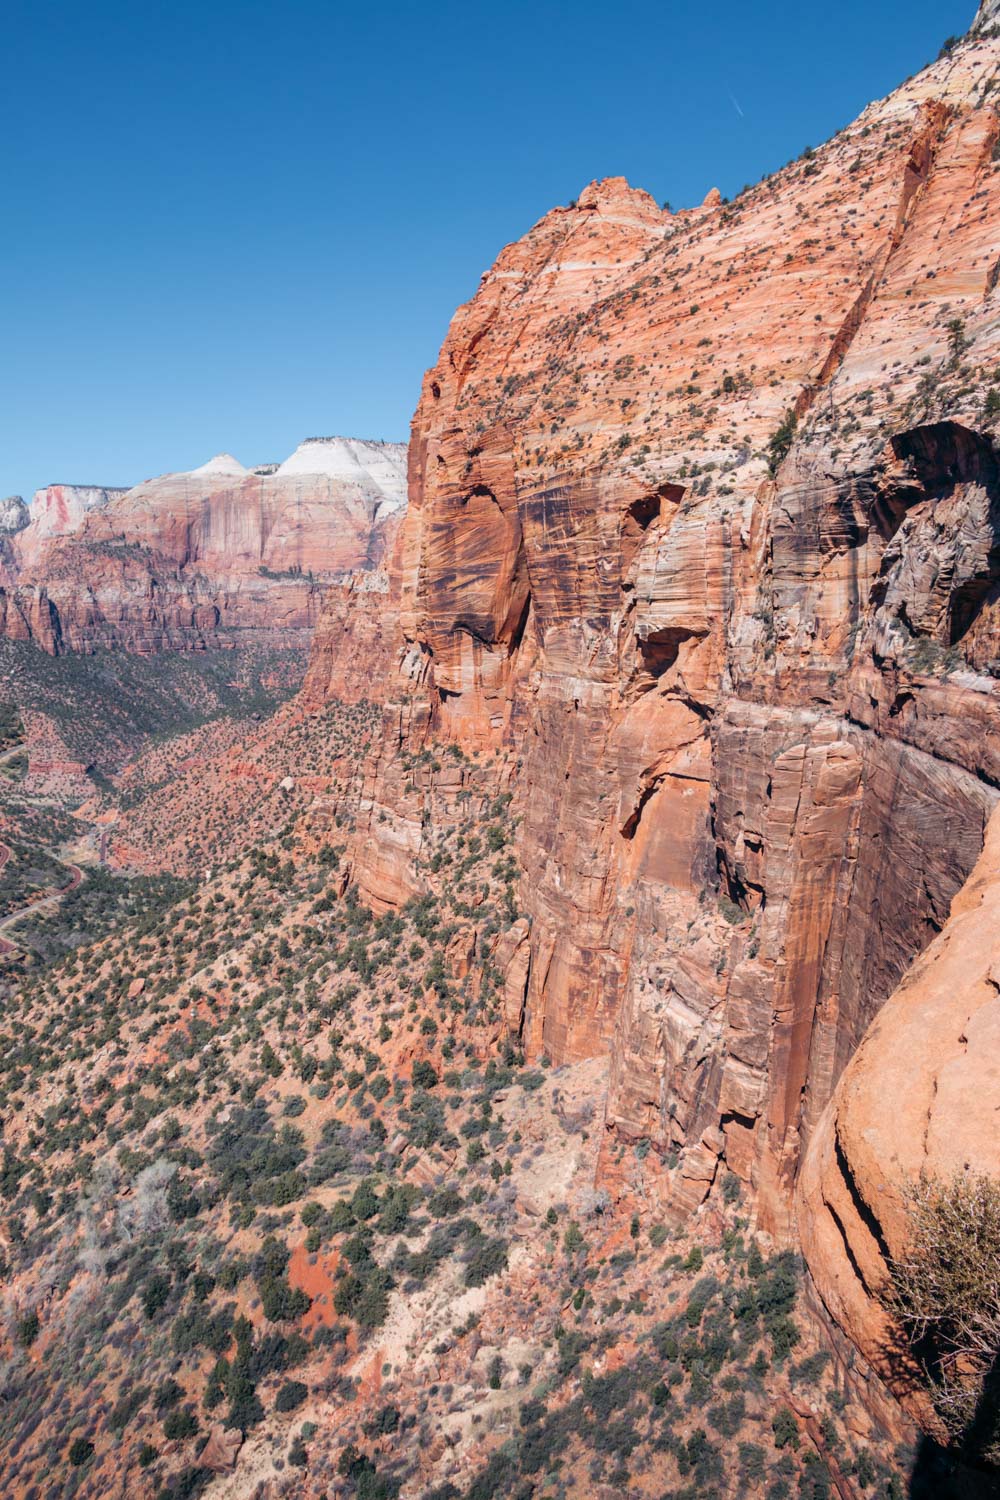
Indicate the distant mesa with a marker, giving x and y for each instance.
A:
(181, 561)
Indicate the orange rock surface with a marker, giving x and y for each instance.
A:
(933, 1053)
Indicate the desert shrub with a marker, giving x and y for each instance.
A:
(573, 1239)
(488, 1258)
(28, 1329)
(394, 1211)
(808, 1371)
(785, 1428)
(944, 1294)
(290, 1395)
(168, 1395)
(572, 1346)
(180, 1424)
(80, 1452)
(364, 1201)
(384, 1422)
(126, 1407)
(361, 1472)
(731, 1188)
(364, 1296)
(281, 1301)
(727, 1417)
(781, 441)
(752, 1466)
(155, 1294)
(423, 1075)
(445, 1202)
(776, 1290)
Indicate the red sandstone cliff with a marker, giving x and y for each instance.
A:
(183, 560)
(704, 540)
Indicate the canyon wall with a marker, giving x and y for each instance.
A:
(703, 546)
(183, 561)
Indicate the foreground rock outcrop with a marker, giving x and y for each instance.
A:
(182, 561)
(704, 546)
(921, 1096)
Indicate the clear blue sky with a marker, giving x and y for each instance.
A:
(231, 226)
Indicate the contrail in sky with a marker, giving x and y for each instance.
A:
(736, 106)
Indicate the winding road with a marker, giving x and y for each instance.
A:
(41, 904)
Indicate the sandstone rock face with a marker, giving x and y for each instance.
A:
(13, 518)
(222, 1449)
(13, 514)
(704, 542)
(356, 643)
(59, 511)
(180, 561)
(921, 1094)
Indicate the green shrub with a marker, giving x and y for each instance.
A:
(180, 1424)
(785, 1428)
(28, 1329)
(423, 1075)
(290, 1395)
(573, 1238)
(155, 1294)
(488, 1258)
(781, 441)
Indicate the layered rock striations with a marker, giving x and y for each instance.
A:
(704, 542)
(181, 561)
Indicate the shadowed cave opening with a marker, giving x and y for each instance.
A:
(945, 461)
(639, 516)
(658, 651)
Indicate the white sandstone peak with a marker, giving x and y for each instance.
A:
(371, 465)
(222, 463)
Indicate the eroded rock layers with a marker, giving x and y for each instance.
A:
(183, 561)
(704, 541)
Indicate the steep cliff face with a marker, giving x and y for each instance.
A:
(13, 518)
(704, 543)
(178, 561)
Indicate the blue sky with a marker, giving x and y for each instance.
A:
(234, 226)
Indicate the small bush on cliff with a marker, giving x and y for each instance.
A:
(944, 1293)
(781, 441)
